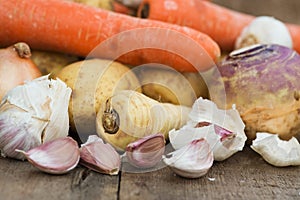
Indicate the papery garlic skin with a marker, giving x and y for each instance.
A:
(100, 157)
(58, 156)
(277, 152)
(206, 112)
(192, 160)
(33, 113)
(264, 30)
(17, 131)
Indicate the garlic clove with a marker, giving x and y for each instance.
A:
(146, 152)
(58, 156)
(192, 160)
(264, 30)
(100, 157)
(223, 129)
(275, 151)
(33, 113)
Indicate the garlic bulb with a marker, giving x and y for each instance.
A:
(192, 160)
(32, 114)
(223, 129)
(100, 157)
(58, 156)
(275, 151)
(146, 152)
(264, 30)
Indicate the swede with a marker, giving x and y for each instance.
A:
(263, 82)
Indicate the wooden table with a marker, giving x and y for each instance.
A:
(243, 176)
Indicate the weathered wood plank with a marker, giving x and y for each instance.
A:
(20, 180)
(243, 176)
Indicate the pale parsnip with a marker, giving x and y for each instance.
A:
(169, 86)
(130, 115)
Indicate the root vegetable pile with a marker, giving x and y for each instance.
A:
(115, 99)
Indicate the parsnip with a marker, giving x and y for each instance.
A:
(92, 82)
(170, 86)
(129, 115)
(197, 83)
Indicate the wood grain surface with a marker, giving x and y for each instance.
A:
(243, 176)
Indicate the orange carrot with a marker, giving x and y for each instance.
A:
(221, 24)
(295, 34)
(77, 29)
(120, 8)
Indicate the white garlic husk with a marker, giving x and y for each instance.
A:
(192, 160)
(58, 156)
(223, 129)
(277, 152)
(264, 30)
(146, 152)
(99, 156)
(33, 113)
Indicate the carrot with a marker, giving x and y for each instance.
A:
(221, 24)
(78, 29)
(120, 8)
(295, 34)
(130, 3)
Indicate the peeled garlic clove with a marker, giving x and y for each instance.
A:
(223, 129)
(264, 30)
(191, 161)
(33, 113)
(58, 156)
(100, 157)
(146, 152)
(275, 151)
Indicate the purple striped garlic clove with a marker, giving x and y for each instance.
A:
(192, 160)
(100, 157)
(58, 156)
(147, 151)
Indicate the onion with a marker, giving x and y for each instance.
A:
(16, 67)
(263, 81)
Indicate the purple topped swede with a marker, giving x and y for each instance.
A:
(263, 81)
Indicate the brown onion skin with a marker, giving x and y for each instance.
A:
(16, 67)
